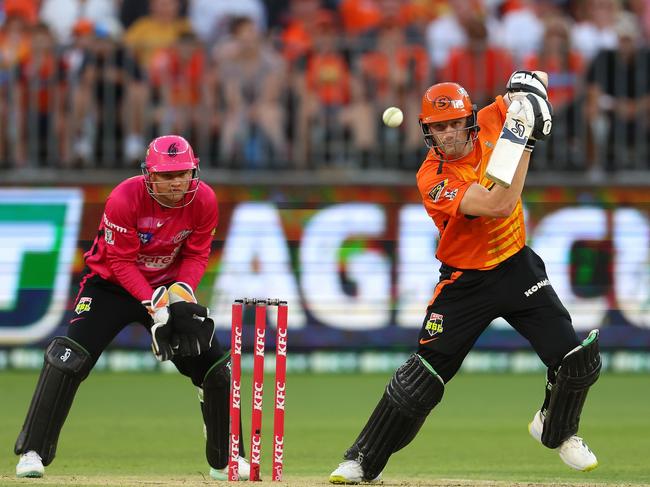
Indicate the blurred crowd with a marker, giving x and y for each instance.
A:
(301, 84)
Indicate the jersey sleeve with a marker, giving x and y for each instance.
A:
(120, 233)
(196, 249)
(442, 193)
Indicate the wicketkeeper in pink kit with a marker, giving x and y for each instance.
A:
(149, 255)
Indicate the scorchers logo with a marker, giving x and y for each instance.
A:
(157, 261)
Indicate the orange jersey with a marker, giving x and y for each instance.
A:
(468, 242)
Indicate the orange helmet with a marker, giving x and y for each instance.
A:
(443, 102)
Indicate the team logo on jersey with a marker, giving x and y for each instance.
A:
(450, 194)
(434, 324)
(182, 235)
(109, 236)
(437, 189)
(145, 237)
(83, 305)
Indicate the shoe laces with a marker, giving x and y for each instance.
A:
(32, 456)
(580, 442)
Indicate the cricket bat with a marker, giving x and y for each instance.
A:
(510, 144)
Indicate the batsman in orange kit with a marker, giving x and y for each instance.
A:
(487, 272)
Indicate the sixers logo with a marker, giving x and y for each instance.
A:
(172, 150)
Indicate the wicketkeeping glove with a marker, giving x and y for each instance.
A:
(192, 328)
(161, 331)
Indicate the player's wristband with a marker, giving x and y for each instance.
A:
(530, 145)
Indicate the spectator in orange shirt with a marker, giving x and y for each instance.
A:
(27, 9)
(480, 67)
(41, 85)
(332, 110)
(363, 19)
(180, 78)
(296, 35)
(14, 50)
(393, 75)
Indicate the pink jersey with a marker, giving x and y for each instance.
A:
(141, 244)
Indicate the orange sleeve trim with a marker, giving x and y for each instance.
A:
(454, 275)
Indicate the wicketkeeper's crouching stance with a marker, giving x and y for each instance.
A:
(155, 229)
(487, 272)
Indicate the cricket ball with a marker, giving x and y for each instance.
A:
(393, 117)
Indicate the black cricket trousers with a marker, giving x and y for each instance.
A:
(102, 309)
(465, 302)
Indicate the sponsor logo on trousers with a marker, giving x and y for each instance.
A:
(537, 287)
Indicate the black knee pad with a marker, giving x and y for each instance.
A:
(66, 364)
(579, 370)
(216, 412)
(413, 391)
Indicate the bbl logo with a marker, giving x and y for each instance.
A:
(434, 324)
(83, 305)
(38, 237)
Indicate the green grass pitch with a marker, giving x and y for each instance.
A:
(145, 429)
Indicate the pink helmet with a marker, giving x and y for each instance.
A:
(170, 153)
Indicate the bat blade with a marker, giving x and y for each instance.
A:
(508, 150)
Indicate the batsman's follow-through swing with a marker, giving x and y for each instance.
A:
(487, 272)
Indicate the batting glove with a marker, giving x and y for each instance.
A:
(543, 116)
(161, 331)
(526, 82)
(193, 329)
